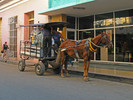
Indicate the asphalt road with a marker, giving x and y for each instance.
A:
(15, 85)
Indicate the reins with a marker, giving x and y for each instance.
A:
(63, 49)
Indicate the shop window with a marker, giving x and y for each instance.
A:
(71, 35)
(124, 17)
(86, 22)
(86, 34)
(105, 54)
(13, 35)
(104, 20)
(124, 44)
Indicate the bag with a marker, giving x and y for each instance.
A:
(2, 51)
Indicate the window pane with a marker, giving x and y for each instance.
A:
(104, 20)
(106, 54)
(124, 44)
(86, 34)
(71, 21)
(86, 22)
(70, 35)
(124, 17)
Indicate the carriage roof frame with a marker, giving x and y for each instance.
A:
(49, 24)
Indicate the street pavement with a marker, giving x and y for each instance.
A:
(15, 85)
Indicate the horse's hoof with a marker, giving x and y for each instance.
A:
(62, 76)
(67, 75)
(86, 79)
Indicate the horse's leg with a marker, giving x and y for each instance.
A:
(66, 63)
(85, 64)
(87, 69)
(62, 61)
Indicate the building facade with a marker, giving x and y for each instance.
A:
(89, 17)
(14, 13)
(86, 17)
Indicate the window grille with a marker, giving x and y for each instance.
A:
(12, 21)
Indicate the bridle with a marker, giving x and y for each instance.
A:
(104, 37)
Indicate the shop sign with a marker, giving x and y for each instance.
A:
(123, 20)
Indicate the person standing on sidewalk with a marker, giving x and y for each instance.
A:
(5, 51)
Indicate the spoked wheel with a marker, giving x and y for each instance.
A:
(21, 65)
(40, 68)
(57, 70)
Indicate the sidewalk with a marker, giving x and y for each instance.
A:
(114, 69)
(119, 72)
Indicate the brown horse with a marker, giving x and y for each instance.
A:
(82, 50)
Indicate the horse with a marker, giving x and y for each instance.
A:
(82, 50)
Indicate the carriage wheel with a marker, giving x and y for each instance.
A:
(40, 68)
(21, 65)
(57, 70)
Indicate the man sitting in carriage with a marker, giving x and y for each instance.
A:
(57, 36)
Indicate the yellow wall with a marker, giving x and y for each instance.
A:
(0, 35)
(59, 18)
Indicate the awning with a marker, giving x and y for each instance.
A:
(90, 8)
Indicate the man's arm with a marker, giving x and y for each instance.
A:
(62, 38)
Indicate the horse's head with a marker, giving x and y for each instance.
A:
(105, 40)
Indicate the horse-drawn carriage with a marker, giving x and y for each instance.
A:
(34, 48)
(83, 49)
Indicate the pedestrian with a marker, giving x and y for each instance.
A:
(5, 51)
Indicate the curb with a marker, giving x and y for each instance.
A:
(105, 77)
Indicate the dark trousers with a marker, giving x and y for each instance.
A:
(47, 46)
(58, 43)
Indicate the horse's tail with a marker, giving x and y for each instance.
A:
(58, 58)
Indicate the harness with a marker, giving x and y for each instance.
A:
(89, 45)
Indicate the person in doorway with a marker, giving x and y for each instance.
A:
(5, 51)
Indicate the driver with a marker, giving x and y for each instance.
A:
(57, 36)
